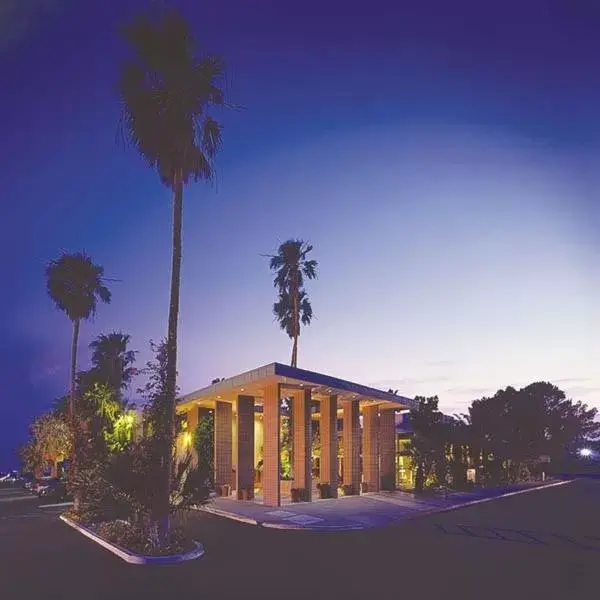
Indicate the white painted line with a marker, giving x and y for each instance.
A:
(132, 557)
(280, 514)
(15, 498)
(59, 505)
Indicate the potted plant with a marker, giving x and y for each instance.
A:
(246, 493)
(364, 487)
(324, 490)
(298, 494)
(348, 490)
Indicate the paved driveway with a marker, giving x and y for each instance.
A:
(449, 555)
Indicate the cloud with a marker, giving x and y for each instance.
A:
(475, 392)
(441, 363)
(571, 380)
(17, 17)
(399, 384)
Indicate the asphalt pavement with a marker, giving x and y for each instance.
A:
(544, 544)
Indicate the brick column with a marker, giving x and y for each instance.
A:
(370, 447)
(351, 434)
(223, 442)
(245, 446)
(271, 446)
(328, 429)
(302, 441)
(192, 422)
(387, 447)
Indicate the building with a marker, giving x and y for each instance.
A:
(358, 448)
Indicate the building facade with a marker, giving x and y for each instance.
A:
(280, 431)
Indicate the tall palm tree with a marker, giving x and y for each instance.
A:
(112, 362)
(76, 285)
(166, 89)
(291, 265)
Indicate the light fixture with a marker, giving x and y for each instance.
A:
(585, 452)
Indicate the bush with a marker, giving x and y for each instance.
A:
(140, 539)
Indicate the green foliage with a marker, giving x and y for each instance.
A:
(75, 284)
(203, 441)
(291, 266)
(427, 446)
(514, 427)
(50, 440)
(112, 362)
(286, 448)
(166, 89)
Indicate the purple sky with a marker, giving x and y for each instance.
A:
(445, 170)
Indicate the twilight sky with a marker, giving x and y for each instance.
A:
(444, 162)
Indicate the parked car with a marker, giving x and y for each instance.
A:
(39, 484)
(10, 477)
(55, 491)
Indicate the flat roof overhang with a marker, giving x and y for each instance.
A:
(252, 383)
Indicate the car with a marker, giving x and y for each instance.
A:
(55, 492)
(38, 484)
(10, 477)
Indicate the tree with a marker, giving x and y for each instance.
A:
(50, 440)
(166, 89)
(428, 441)
(112, 362)
(204, 442)
(75, 284)
(291, 265)
(513, 428)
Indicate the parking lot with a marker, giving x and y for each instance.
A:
(544, 544)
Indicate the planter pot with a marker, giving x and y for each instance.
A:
(364, 487)
(296, 494)
(226, 491)
(324, 491)
(348, 490)
(245, 494)
(285, 486)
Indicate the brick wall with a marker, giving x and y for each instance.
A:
(370, 447)
(351, 433)
(223, 442)
(271, 446)
(329, 461)
(245, 443)
(302, 440)
(387, 443)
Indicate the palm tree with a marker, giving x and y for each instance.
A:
(166, 89)
(112, 362)
(75, 284)
(291, 265)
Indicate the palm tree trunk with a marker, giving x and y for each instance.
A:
(72, 409)
(171, 380)
(296, 322)
(294, 361)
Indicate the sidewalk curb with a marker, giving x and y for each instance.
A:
(226, 514)
(414, 514)
(444, 509)
(294, 527)
(132, 557)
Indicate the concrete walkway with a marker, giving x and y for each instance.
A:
(356, 512)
